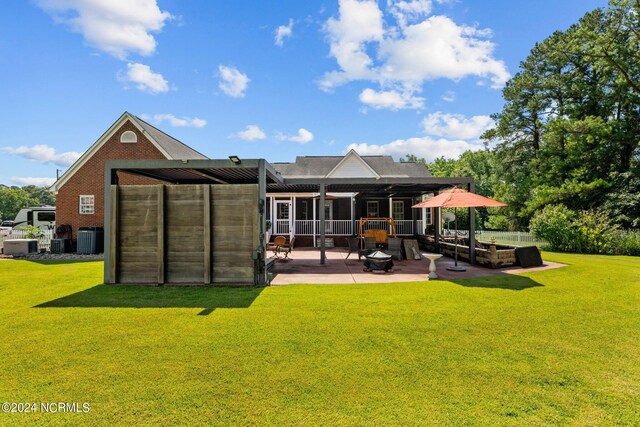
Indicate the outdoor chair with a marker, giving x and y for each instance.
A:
(353, 246)
(395, 247)
(279, 246)
(369, 246)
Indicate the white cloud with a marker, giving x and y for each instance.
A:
(302, 137)
(425, 147)
(44, 154)
(439, 48)
(391, 100)
(409, 11)
(359, 22)
(282, 32)
(252, 133)
(234, 83)
(419, 49)
(456, 126)
(449, 96)
(28, 180)
(144, 79)
(176, 121)
(117, 27)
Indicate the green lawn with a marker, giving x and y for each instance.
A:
(554, 347)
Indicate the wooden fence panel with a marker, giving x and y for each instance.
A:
(196, 234)
(234, 211)
(137, 239)
(184, 233)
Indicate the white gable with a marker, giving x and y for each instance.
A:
(352, 166)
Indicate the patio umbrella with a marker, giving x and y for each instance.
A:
(458, 198)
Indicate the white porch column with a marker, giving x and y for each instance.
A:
(390, 212)
(352, 215)
(323, 227)
(273, 215)
(293, 230)
(313, 224)
(424, 220)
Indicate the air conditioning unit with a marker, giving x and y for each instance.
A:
(90, 240)
(60, 246)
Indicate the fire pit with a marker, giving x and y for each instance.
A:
(378, 261)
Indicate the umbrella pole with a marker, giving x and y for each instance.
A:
(456, 267)
(455, 250)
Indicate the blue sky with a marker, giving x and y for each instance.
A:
(261, 79)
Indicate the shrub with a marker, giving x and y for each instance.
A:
(626, 242)
(583, 232)
(33, 232)
(554, 224)
(594, 233)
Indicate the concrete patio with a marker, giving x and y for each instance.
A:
(304, 267)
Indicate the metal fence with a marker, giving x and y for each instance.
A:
(516, 238)
(513, 237)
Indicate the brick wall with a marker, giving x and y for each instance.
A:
(89, 179)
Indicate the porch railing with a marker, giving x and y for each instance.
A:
(305, 227)
(344, 227)
(281, 226)
(336, 227)
(405, 227)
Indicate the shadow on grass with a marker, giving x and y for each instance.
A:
(58, 261)
(499, 281)
(206, 298)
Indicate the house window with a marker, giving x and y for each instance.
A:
(283, 210)
(398, 210)
(87, 204)
(128, 137)
(428, 219)
(372, 209)
(304, 210)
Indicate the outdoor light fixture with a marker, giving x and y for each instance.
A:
(235, 160)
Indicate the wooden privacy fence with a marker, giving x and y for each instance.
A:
(195, 234)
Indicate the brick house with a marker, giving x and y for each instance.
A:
(80, 190)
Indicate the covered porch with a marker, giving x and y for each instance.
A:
(298, 215)
(294, 207)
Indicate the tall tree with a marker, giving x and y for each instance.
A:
(568, 131)
(12, 199)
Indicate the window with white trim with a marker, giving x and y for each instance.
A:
(428, 216)
(128, 137)
(398, 210)
(373, 210)
(87, 204)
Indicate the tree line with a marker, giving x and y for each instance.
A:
(14, 198)
(568, 133)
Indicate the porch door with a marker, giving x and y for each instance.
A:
(283, 217)
(328, 216)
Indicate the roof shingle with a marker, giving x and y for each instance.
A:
(320, 166)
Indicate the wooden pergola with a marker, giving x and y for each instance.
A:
(262, 174)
